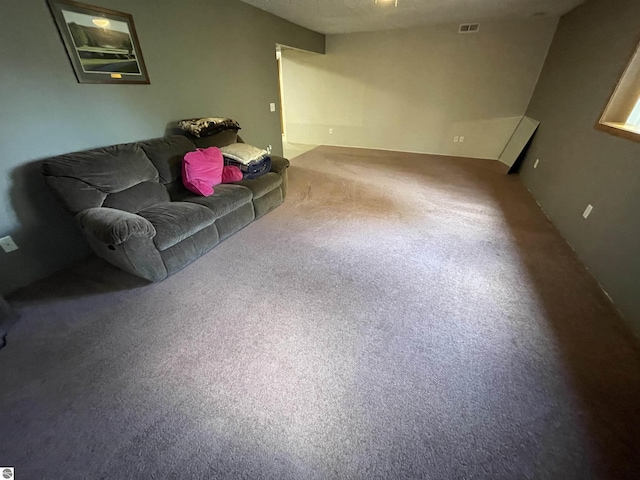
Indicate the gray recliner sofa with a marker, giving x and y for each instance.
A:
(134, 211)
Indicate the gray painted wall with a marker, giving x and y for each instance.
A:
(581, 165)
(204, 57)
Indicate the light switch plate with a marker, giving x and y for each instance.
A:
(272, 107)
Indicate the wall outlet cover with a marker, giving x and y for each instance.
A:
(7, 244)
(535, 165)
(272, 107)
(587, 211)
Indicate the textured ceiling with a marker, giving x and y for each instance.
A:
(346, 16)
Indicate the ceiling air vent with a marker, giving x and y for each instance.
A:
(469, 28)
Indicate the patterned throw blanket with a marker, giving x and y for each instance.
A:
(205, 127)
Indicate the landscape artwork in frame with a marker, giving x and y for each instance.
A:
(102, 44)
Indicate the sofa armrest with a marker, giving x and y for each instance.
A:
(112, 226)
(279, 164)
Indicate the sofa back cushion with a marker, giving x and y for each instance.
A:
(220, 139)
(166, 154)
(110, 175)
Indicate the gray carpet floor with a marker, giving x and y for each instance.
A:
(400, 316)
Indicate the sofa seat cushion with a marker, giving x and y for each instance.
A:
(175, 221)
(225, 199)
(140, 196)
(262, 185)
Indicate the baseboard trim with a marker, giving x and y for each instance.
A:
(410, 151)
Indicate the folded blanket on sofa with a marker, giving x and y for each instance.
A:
(205, 127)
(244, 153)
(252, 170)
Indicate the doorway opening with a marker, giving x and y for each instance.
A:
(287, 79)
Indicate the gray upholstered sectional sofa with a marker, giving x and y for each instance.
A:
(133, 209)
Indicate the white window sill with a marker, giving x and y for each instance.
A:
(623, 126)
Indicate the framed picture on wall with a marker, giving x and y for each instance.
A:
(102, 44)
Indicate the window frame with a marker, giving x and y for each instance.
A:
(622, 129)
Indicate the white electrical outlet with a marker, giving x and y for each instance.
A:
(331, 131)
(461, 139)
(7, 244)
(587, 211)
(456, 139)
(535, 165)
(272, 107)
(269, 148)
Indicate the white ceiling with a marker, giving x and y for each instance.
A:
(347, 16)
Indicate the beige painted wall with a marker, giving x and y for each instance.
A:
(414, 90)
